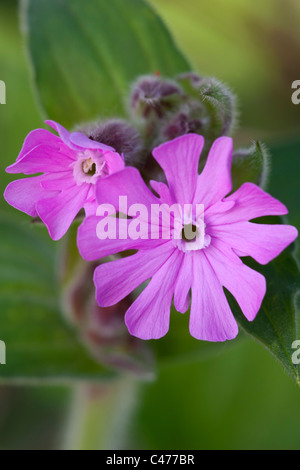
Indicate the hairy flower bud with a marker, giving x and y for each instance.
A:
(189, 81)
(119, 134)
(220, 106)
(152, 95)
(102, 330)
(218, 101)
(189, 119)
(251, 164)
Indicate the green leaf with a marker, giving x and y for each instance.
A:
(86, 54)
(40, 345)
(251, 165)
(284, 183)
(276, 324)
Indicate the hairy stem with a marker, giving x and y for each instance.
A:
(100, 416)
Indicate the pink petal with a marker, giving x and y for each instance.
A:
(179, 159)
(39, 137)
(41, 159)
(59, 212)
(250, 202)
(163, 192)
(77, 140)
(91, 209)
(221, 207)
(64, 134)
(211, 318)
(24, 194)
(214, 183)
(246, 285)
(262, 242)
(115, 280)
(91, 248)
(183, 284)
(149, 316)
(58, 181)
(114, 162)
(127, 183)
(82, 141)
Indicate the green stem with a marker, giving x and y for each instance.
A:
(100, 416)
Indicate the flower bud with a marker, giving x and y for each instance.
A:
(220, 104)
(189, 81)
(251, 164)
(119, 134)
(151, 95)
(188, 120)
(103, 330)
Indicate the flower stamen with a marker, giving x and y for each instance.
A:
(89, 167)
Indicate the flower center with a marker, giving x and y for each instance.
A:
(89, 167)
(189, 233)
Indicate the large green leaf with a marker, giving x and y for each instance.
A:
(284, 181)
(276, 324)
(86, 54)
(40, 345)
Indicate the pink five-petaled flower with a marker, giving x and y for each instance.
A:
(176, 267)
(70, 164)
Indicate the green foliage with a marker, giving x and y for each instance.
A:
(276, 325)
(241, 399)
(85, 58)
(40, 345)
(284, 181)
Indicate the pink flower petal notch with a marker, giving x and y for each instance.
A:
(177, 267)
(68, 167)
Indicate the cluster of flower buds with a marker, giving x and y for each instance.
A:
(187, 104)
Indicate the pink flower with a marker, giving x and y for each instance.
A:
(70, 165)
(203, 265)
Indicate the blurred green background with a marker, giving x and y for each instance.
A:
(240, 399)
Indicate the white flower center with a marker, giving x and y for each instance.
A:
(90, 166)
(191, 235)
